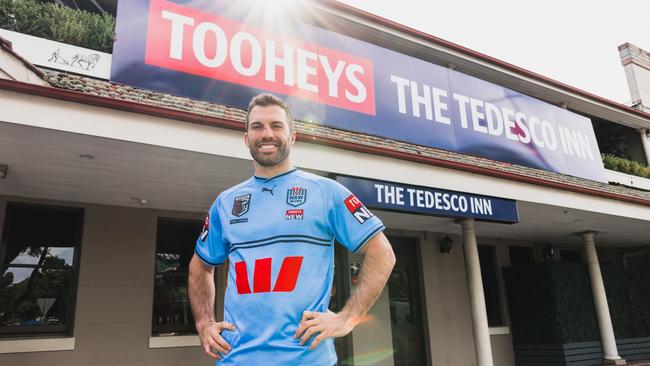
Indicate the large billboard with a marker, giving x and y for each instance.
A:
(228, 51)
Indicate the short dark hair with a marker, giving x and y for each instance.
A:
(265, 100)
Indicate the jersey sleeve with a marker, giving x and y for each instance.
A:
(210, 247)
(350, 221)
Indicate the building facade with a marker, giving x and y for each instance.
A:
(105, 185)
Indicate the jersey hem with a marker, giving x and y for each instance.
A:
(205, 261)
(368, 237)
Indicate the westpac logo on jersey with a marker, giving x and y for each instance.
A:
(357, 209)
(285, 282)
(296, 196)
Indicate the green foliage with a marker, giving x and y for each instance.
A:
(58, 23)
(622, 165)
(552, 303)
(559, 296)
(628, 296)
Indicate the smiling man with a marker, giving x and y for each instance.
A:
(277, 230)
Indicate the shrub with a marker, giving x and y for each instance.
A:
(626, 166)
(58, 23)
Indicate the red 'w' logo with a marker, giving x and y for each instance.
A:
(286, 281)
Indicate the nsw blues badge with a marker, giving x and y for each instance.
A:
(241, 205)
(296, 196)
(206, 228)
(357, 209)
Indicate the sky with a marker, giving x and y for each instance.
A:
(572, 41)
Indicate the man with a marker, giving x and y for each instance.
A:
(277, 230)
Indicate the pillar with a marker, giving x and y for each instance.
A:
(646, 144)
(476, 295)
(600, 301)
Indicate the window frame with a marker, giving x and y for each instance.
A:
(172, 330)
(41, 331)
(498, 286)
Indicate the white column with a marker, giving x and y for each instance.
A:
(476, 296)
(600, 301)
(646, 143)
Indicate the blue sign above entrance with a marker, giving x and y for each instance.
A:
(430, 201)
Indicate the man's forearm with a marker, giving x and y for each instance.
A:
(378, 262)
(201, 292)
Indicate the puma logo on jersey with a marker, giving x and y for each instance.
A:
(285, 282)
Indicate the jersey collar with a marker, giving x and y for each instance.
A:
(266, 180)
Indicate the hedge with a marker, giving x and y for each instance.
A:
(628, 295)
(552, 303)
(622, 165)
(59, 23)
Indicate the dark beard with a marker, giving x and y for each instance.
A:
(282, 154)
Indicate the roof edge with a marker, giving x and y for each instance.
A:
(475, 54)
(231, 124)
(6, 46)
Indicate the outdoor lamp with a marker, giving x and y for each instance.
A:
(549, 252)
(3, 171)
(445, 244)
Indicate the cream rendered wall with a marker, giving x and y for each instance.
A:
(502, 350)
(447, 301)
(372, 339)
(115, 294)
(449, 320)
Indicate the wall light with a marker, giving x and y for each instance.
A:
(3, 171)
(446, 243)
(548, 252)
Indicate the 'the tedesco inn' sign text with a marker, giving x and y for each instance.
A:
(215, 51)
(430, 201)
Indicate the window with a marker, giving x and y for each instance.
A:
(571, 256)
(520, 256)
(487, 258)
(338, 296)
(39, 254)
(406, 304)
(175, 240)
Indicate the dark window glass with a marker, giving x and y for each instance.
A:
(487, 258)
(405, 304)
(39, 256)
(175, 242)
(520, 256)
(338, 296)
(570, 256)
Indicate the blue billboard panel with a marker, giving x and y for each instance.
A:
(227, 52)
(430, 201)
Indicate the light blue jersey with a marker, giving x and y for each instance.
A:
(278, 234)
